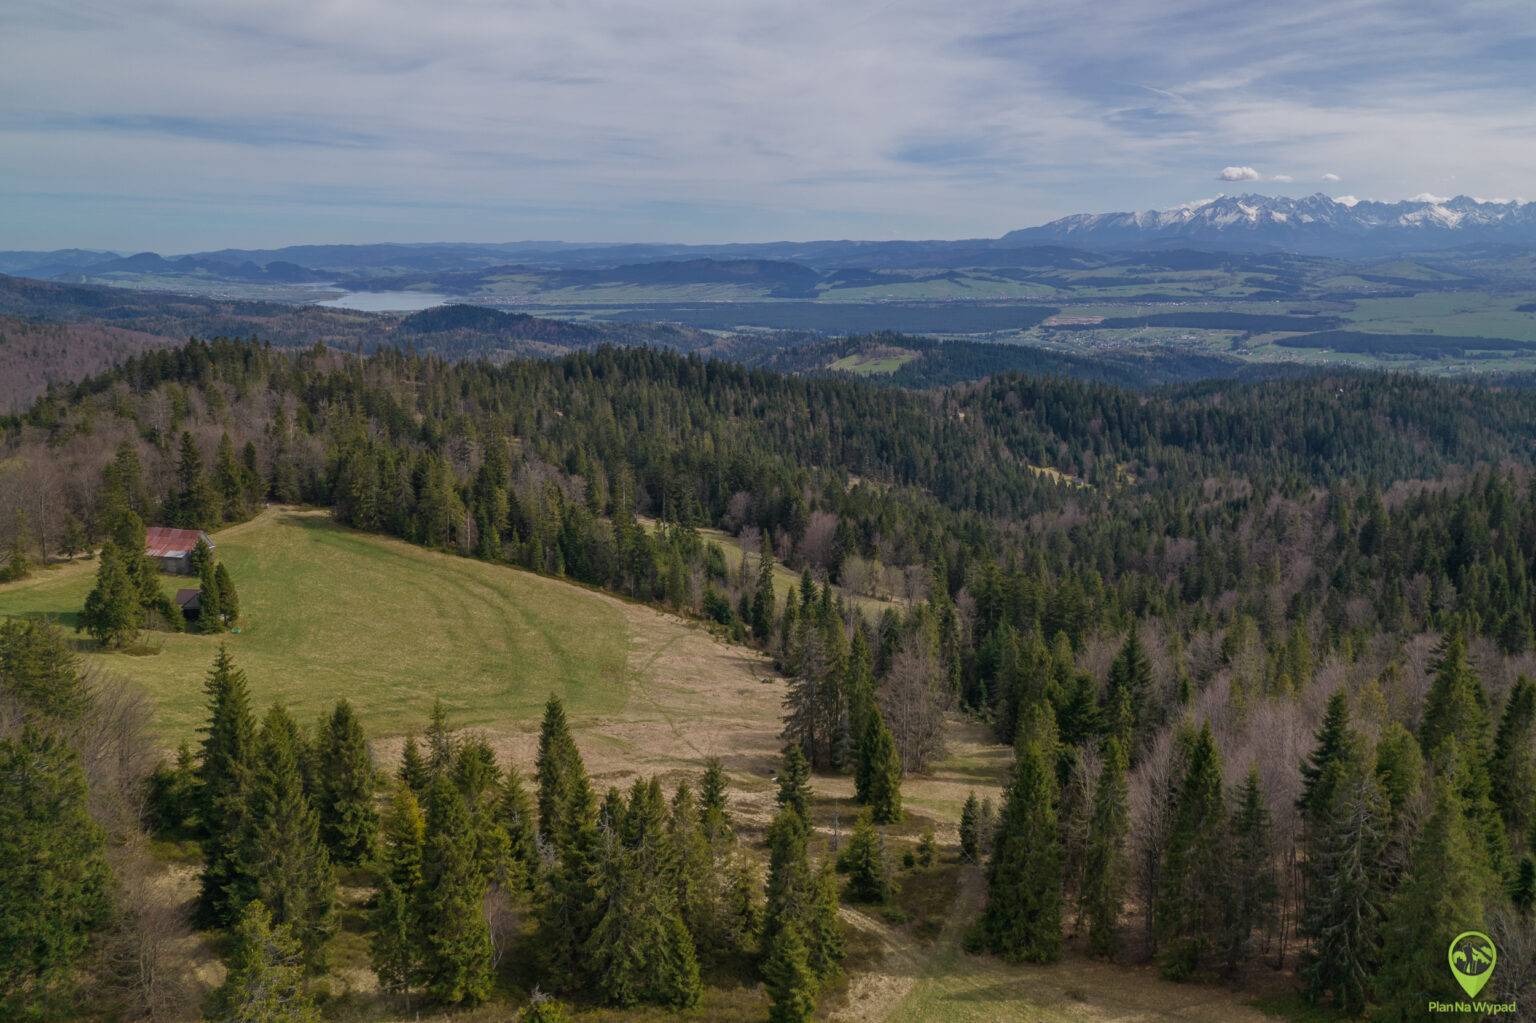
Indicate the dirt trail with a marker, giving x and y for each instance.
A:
(875, 994)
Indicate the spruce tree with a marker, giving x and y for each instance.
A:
(210, 608)
(823, 932)
(787, 974)
(229, 600)
(1514, 760)
(568, 905)
(1334, 743)
(224, 771)
(879, 764)
(394, 942)
(1106, 868)
(345, 779)
(265, 982)
(456, 941)
(763, 598)
(1456, 724)
(970, 830)
(1344, 899)
(1022, 919)
(55, 886)
(113, 612)
(194, 505)
(517, 819)
(1443, 893)
(795, 782)
(713, 797)
(1189, 910)
(478, 777)
(1128, 692)
(553, 768)
(282, 860)
(442, 746)
(228, 483)
(1251, 884)
(413, 771)
(869, 878)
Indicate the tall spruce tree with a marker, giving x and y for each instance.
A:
(210, 604)
(568, 905)
(879, 766)
(763, 596)
(1251, 883)
(1347, 889)
(1189, 911)
(791, 983)
(869, 877)
(1128, 692)
(1022, 919)
(1106, 870)
(229, 600)
(265, 978)
(282, 860)
(113, 612)
(795, 782)
(55, 886)
(195, 505)
(517, 819)
(970, 830)
(394, 943)
(1444, 892)
(456, 941)
(478, 777)
(224, 772)
(1456, 723)
(344, 787)
(553, 768)
(413, 771)
(1514, 760)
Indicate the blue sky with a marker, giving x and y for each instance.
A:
(178, 125)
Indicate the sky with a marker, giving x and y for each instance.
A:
(182, 125)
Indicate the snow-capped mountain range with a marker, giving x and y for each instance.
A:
(1314, 224)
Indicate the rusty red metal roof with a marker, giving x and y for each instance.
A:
(165, 542)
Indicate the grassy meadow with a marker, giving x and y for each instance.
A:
(328, 612)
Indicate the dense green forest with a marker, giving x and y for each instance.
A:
(1260, 649)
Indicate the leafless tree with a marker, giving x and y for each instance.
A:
(913, 704)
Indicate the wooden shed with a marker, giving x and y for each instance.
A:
(172, 548)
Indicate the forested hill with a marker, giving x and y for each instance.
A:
(1109, 493)
(1160, 589)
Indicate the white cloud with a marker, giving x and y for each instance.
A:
(1330, 176)
(1345, 200)
(1429, 197)
(1284, 178)
(1238, 174)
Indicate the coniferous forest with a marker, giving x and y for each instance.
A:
(1262, 653)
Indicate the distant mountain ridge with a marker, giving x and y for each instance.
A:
(1312, 225)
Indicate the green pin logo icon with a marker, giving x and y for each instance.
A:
(1472, 956)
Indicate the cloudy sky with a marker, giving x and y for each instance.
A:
(178, 125)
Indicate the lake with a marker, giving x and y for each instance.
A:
(386, 301)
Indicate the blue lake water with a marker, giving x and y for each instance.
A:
(386, 301)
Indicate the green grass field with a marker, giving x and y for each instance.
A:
(882, 364)
(328, 612)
